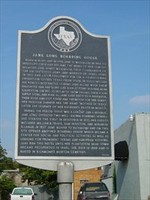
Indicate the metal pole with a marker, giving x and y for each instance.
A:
(65, 174)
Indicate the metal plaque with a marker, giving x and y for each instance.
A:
(63, 96)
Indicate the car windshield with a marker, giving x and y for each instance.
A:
(22, 191)
(95, 187)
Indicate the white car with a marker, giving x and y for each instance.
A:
(22, 193)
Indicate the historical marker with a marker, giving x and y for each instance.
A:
(64, 96)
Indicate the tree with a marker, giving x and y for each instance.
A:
(6, 186)
(114, 181)
(41, 177)
(34, 176)
(6, 162)
(3, 153)
(6, 183)
(2, 158)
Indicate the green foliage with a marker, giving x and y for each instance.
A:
(6, 186)
(3, 153)
(32, 175)
(6, 183)
(6, 162)
(39, 176)
(42, 177)
(114, 181)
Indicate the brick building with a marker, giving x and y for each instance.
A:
(80, 177)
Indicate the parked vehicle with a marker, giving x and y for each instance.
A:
(94, 191)
(22, 193)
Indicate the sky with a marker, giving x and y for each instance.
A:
(126, 22)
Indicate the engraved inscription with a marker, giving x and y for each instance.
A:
(64, 106)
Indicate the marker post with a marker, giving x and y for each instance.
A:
(65, 176)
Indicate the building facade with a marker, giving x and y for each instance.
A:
(132, 175)
(83, 176)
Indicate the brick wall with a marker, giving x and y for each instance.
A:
(91, 175)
